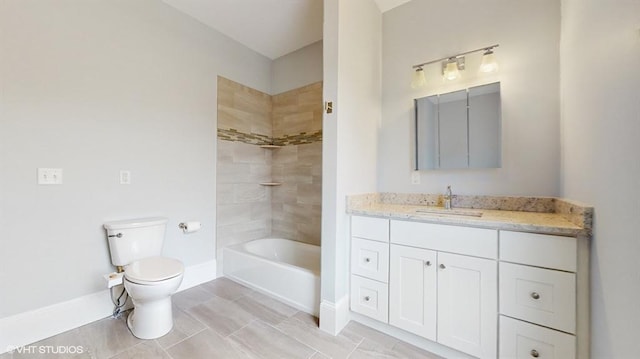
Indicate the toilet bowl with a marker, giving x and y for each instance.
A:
(150, 282)
(149, 278)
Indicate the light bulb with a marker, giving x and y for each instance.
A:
(419, 79)
(489, 63)
(451, 71)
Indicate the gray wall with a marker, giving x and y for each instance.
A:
(297, 69)
(600, 131)
(528, 33)
(94, 87)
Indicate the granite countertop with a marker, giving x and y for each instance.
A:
(529, 214)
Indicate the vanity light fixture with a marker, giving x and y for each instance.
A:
(452, 65)
(419, 80)
(451, 68)
(489, 63)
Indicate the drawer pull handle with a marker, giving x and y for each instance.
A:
(534, 353)
(428, 263)
(367, 259)
(442, 266)
(536, 296)
(367, 298)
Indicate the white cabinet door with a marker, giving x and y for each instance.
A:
(468, 304)
(412, 290)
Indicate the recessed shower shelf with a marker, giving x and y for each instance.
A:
(270, 184)
(270, 147)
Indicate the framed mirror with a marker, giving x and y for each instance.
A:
(460, 129)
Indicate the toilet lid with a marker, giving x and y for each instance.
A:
(153, 269)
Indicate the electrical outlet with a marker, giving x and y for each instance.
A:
(125, 177)
(49, 175)
(415, 177)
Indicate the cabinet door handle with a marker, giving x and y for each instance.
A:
(536, 296)
(427, 263)
(367, 259)
(442, 266)
(534, 353)
(367, 298)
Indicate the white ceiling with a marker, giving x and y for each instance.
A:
(271, 27)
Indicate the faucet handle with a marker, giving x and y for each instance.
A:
(448, 196)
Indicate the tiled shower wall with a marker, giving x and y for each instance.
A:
(296, 205)
(243, 206)
(248, 118)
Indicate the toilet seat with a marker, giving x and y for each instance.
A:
(153, 270)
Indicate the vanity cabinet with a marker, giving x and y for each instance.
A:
(439, 291)
(369, 291)
(444, 297)
(485, 292)
(538, 295)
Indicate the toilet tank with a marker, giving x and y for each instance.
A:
(134, 239)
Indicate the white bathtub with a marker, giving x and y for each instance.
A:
(285, 269)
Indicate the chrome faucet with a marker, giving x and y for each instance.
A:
(448, 196)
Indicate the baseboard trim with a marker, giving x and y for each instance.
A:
(334, 316)
(32, 326)
(199, 273)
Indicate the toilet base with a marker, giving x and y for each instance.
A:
(151, 320)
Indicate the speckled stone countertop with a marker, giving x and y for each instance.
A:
(529, 214)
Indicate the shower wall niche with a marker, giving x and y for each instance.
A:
(290, 206)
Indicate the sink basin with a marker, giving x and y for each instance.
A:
(450, 212)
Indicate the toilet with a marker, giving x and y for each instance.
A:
(149, 278)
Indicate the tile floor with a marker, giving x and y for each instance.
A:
(222, 319)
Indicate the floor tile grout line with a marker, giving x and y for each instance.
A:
(283, 333)
(267, 308)
(166, 351)
(355, 348)
(125, 349)
(195, 318)
(296, 339)
(185, 338)
(237, 330)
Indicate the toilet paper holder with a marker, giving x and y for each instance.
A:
(190, 226)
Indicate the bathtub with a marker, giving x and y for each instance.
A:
(285, 269)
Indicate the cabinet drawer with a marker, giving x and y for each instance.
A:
(542, 296)
(476, 242)
(370, 259)
(540, 250)
(370, 298)
(376, 229)
(526, 341)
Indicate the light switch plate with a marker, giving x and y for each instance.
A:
(49, 175)
(125, 177)
(415, 177)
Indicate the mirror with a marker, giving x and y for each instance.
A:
(460, 129)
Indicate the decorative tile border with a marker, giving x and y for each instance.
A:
(258, 139)
(237, 136)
